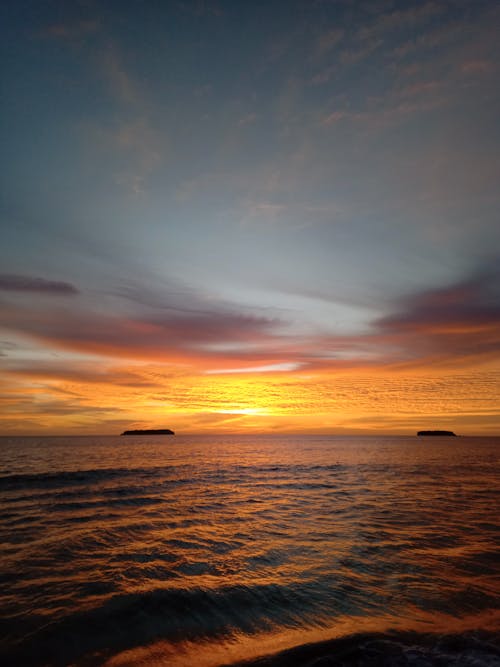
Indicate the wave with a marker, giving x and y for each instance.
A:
(396, 649)
(76, 477)
(230, 549)
(83, 641)
(176, 615)
(177, 473)
(126, 621)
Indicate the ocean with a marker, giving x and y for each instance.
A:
(204, 551)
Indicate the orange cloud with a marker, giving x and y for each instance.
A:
(434, 360)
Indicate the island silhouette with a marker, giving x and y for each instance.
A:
(149, 431)
(445, 433)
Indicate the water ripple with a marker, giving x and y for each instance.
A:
(202, 547)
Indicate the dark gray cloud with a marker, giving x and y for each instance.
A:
(456, 321)
(143, 336)
(472, 301)
(10, 282)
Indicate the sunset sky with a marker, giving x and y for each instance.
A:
(250, 216)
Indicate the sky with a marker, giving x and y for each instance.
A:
(260, 216)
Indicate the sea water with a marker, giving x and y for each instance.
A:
(202, 551)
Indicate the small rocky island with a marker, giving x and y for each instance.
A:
(150, 431)
(445, 433)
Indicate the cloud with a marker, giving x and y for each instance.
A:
(455, 325)
(18, 283)
(6, 347)
(323, 76)
(390, 111)
(77, 371)
(130, 136)
(351, 56)
(262, 212)
(328, 41)
(122, 84)
(158, 335)
(203, 90)
(454, 322)
(400, 19)
(135, 148)
(451, 324)
(420, 88)
(248, 119)
(73, 31)
(269, 368)
(334, 117)
(422, 361)
(473, 302)
(401, 103)
(433, 39)
(478, 66)
(137, 145)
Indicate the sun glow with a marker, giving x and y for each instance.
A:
(244, 411)
(356, 400)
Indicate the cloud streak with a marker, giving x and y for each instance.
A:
(245, 208)
(19, 283)
(234, 371)
(459, 320)
(155, 336)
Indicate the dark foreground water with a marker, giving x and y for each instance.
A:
(210, 550)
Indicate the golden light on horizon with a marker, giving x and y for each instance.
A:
(356, 400)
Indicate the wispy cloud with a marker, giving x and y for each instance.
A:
(71, 31)
(6, 347)
(122, 85)
(359, 52)
(170, 336)
(244, 372)
(478, 67)
(268, 368)
(129, 137)
(327, 41)
(263, 212)
(19, 283)
(460, 321)
(323, 76)
(392, 109)
(140, 144)
(248, 119)
(70, 371)
(334, 117)
(410, 17)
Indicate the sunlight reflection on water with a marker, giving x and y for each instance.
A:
(241, 543)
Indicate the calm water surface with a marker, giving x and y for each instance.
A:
(202, 551)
